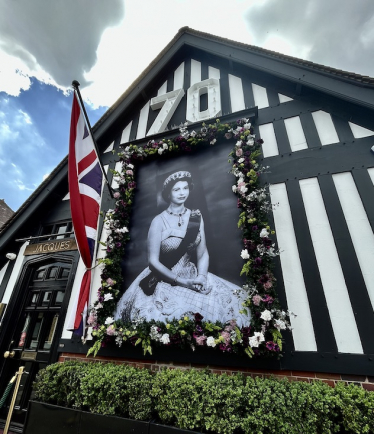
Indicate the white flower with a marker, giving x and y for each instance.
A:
(266, 315)
(250, 141)
(109, 320)
(122, 230)
(98, 306)
(279, 324)
(255, 340)
(213, 141)
(160, 150)
(243, 189)
(234, 188)
(211, 342)
(165, 146)
(165, 338)
(264, 233)
(240, 160)
(130, 166)
(238, 144)
(108, 297)
(244, 254)
(247, 126)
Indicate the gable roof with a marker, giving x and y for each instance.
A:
(195, 38)
(353, 86)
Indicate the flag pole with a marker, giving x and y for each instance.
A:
(76, 85)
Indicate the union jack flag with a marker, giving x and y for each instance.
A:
(85, 183)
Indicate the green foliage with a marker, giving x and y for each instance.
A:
(206, 402)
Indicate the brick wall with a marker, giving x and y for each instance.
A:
(153, 365)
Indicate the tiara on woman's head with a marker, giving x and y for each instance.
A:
(176, 175)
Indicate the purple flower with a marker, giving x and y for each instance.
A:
(198, 317)
(131, 184)
(258, 261)
(254, 228)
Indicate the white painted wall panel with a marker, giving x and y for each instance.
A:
(125, 137)
(2, 271)
(163, 89)
(335, 289)
(325, 127)
(297, 299)
(72, 308)
(260, 95)
(360, 132)
(358, 225)
(109, 148)
(143, 118)
(371, 174)
(270, 146)
(295, 134)
(195, 72)
(118, 168)
(179, 77)
(15, 273)
(236, 93)
(213, 72)
(284, 98)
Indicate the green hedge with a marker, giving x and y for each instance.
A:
(202, 401)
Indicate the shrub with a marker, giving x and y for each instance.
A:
(200, 400)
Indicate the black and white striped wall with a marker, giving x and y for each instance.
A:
(322, 183)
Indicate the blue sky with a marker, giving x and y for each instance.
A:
(106, 45)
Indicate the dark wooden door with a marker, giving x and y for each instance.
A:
(36, 331)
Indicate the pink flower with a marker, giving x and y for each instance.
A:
(110, 331)
(110, 281)
(129, 172)
(239, 152)
(200, 340)
(226, 337)
(91, 320)
(268, 285)
(256, 299)
(116, 195)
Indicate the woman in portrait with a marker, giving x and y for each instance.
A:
(177, 280)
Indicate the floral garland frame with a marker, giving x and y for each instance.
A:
(263, 335)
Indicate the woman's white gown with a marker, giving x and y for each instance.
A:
(222, 303)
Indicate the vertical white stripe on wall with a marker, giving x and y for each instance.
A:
(163, 89)
(179, 77)
(295, 134)
(195, 72)
(359, 227)
(125, 137)
(213, 72)
(371, 174)
(143, 118)
(260, 96)
(360, 132)
(336, 293)
(297, 299)
(109, 148)
(270, 146)
(118, 168)
(236, 93)
(15, 273)
(325, 127)
(2, 273)
(72, 308)
(284, 98)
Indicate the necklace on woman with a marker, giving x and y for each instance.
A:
(180, 220)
